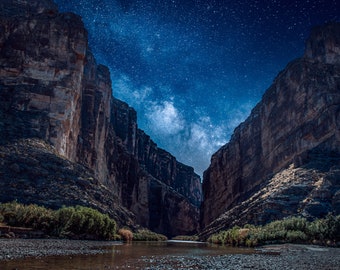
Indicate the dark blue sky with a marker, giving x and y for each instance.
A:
(194, 69)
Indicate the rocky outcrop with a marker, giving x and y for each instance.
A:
(297, 120)
(52, 90)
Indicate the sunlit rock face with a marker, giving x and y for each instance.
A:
(52, 89)
(295, 127)
(42, 64)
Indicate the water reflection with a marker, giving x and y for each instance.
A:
(136, 255)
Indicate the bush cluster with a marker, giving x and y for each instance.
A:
(29, 216)
(290, 230)
(85, 222)
(68, 222)
(76, 222)
(147, 235)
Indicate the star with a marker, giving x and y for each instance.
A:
(194, 69)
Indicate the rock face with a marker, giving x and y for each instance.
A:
(52, 90)
(168, 193)
(284, 159)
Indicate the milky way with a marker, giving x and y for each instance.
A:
(193, 70)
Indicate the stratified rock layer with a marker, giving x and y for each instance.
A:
(52, 90)
(297, 120)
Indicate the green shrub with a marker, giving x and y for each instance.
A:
(213, 239)
(186, 238)
(30, 216)
(85, 222)
(332, 224)
(317, 229)
(147, 235)
(293, 230)
(234, 237)
(295, 224)
(325, 229)
(73, 222)
(296, 236)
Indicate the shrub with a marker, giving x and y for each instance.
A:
(332, 224)
(31, 216)
(85, 222)
(296, 236)
(125, 234)
(234, 237)
(325, 229)
(147, 235)
(317, 229)
(74, 222)
(186, 238)
(293, 230)
(295, 224)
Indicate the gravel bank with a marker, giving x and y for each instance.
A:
(285, 257)
(22, 248)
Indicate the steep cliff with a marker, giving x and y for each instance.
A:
(167, 192)
(53, 91)
(285, 158)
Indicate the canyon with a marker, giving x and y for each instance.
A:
(66, 140)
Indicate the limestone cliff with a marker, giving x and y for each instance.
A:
(285, 158)
(53, 92)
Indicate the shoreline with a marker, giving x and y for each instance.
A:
(281, 256)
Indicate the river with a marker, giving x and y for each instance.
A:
(184, 255)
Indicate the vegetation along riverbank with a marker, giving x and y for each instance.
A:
(324, 231)
(33, 221)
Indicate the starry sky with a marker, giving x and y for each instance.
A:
(194, 69)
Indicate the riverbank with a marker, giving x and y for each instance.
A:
(51, 254)
(293, 257)
(11, 249)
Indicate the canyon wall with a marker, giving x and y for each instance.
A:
(52, 90)
(294, 131)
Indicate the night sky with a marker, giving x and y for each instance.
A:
(194, 69)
